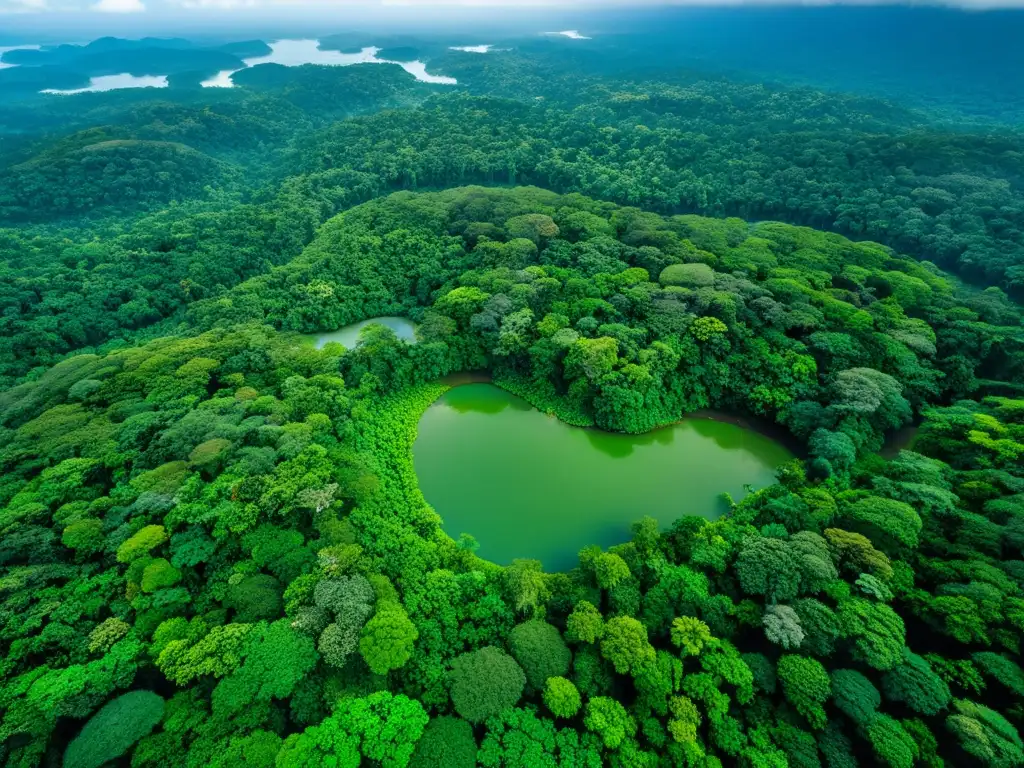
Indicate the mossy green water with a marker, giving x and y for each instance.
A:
(526, 485)
(348, 336)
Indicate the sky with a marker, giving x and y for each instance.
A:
(65, 7)
(46, 21)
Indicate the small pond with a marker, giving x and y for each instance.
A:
(348, 336)
(527, 485)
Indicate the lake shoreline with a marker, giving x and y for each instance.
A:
(762, 426)
(895, 441)
(348, 335)
(757, 424)
(491, 464)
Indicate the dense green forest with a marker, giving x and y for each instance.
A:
(230, 520)
(280, 155)
(213, 546)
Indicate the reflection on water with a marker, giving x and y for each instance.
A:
(620, 446)
(467, 377)
(476, 399)
(617, 449)
(727, 439)
(113, 82)
(468, 405)
(295, 53)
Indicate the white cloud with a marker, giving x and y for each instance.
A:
(15, 6)
(216, 3)
(127, 7)
(119, 6)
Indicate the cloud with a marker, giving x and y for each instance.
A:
(216, 3)
(14, 6)
(119, 6)
(164, 8)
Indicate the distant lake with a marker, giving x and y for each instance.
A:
(295, 53)
(113, 82)
(348, 336)
(221, 80)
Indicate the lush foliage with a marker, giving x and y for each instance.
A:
(235, 512)
(114, 729)
(197, 503)
(253, 171)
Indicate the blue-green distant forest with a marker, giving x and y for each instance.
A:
(214, 549)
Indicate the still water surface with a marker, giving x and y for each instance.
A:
(526, 485)
(348, 336)
(295, 53)
(113, 83)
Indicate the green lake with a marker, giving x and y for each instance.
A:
(348, 336)
(526, 485)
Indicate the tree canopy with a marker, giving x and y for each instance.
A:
(214, 549)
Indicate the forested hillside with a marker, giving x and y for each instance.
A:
(230, 519)
(213, 546)
(859, 167)
(109, 172)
